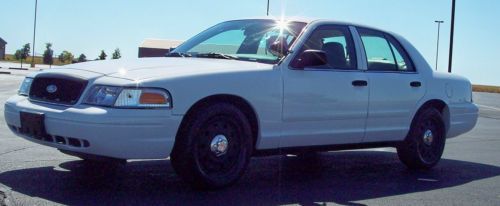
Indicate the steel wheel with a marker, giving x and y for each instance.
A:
(219, 148)
(425, 142)
(214, 147)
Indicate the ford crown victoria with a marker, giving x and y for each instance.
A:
(248, 87)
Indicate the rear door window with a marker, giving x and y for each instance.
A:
(383, 52)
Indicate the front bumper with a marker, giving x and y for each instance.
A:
(109, 132)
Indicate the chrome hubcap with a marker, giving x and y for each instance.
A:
(428, 137)
(219, 145)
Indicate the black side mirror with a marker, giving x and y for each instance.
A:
(310, 58)
(279, 47)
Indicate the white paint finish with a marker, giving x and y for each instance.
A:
(358, 43)
(293, 107)
(392, 101)
(322, 107)
(166, 68)
(261, 88)
(118, 133)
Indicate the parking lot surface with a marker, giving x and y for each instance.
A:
(467, 175)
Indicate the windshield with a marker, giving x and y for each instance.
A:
(247, 40)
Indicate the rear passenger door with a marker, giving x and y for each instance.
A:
(395, 87)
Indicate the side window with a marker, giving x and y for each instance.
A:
(384, 53)
(402, 60)
(337, 43)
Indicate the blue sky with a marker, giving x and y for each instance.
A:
(92, 25)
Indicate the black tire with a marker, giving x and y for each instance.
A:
(206, 167)
(424, 145)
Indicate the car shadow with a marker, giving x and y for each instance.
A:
(340, 177)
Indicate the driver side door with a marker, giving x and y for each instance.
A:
(327, 104)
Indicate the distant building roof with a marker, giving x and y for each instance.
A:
(2, 41)
(160, 43)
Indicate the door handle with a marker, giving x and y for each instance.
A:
(359, 83)
(415, 84)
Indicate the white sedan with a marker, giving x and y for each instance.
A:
(249, 87)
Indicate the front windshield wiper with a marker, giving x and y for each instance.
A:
(216, 55)
(177, 54)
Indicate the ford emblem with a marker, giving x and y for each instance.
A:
(51, 88)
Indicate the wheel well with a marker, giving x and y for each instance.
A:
(441, 106)
(237, 101)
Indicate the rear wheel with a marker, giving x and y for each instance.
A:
(214, 147)
(424, 145)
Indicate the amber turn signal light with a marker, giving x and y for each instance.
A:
(152, 98)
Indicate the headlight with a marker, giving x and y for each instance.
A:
(25, 86)
(102, 95)
(129, 97)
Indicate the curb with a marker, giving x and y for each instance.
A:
(2, 72)
(16, 68)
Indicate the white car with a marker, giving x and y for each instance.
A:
(248, 87)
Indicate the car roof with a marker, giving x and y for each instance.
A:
(308, 20)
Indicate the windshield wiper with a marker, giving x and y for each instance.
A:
(177, 54)
(216, 55)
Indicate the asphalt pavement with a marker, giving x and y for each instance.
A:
(31, 174)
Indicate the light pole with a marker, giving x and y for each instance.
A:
(34, 34)
(451, 35)
(267, 7)
(437, 46)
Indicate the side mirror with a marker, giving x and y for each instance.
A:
(310, 58)
(278, 47)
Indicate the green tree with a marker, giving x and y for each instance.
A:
(117, 54)
(66, 56)
(18, 54)
(61, 57)
(47, 54)
(82, 58)
(23, 53)
(103, 55)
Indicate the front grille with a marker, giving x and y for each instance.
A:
(57, 88)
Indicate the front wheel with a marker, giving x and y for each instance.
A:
(424, 145)
(213, 148)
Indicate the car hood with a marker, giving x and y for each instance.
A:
(164, 67)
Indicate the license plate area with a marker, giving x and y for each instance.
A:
(33, 125)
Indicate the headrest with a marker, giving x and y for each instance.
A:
(335, 54)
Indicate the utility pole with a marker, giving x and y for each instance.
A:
(34, 34)
(267, 7)
(451, 35)
(437, 46)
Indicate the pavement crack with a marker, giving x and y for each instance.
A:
(16, 150)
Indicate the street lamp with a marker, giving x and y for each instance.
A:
(452, 32)
(437, 46)
(34, 34)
